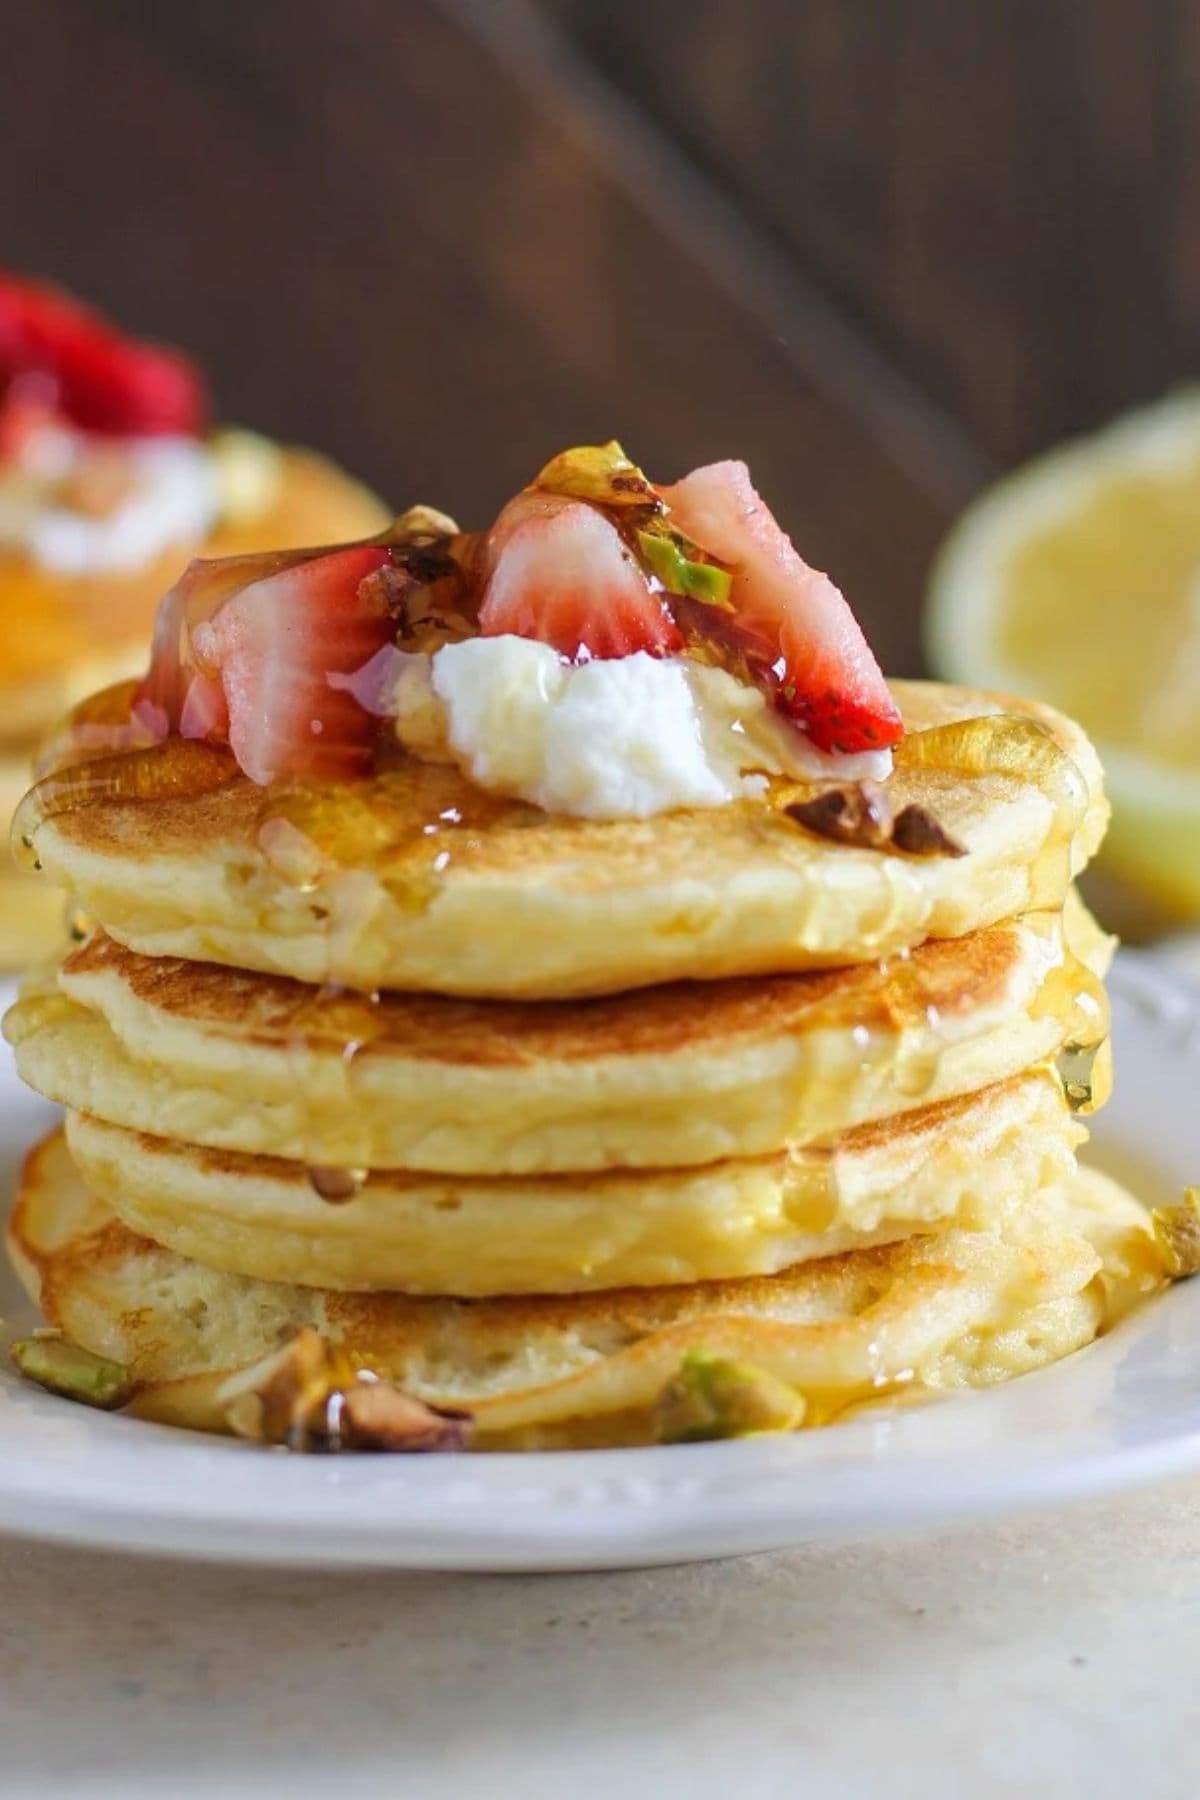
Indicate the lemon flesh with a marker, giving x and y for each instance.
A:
(1077, 581)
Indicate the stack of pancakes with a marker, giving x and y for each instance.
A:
(520, 1110)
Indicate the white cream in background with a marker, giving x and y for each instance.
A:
(178, 487)
(174, 498)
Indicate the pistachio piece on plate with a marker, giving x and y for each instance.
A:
(1177, 1229)
(309, 1396)
(718, 1397)
(62, 1367)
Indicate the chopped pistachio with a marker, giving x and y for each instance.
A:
(1084, 1075)
(377, 1416)
(918, 833)
(718, 1397)
(421, 523)
(309, 1396)
(1177, 1229)
(604, 475)
(601, 473)
(284, 1398)
(64, 1368)
(861, 814)
(680, 574)
(429, 584)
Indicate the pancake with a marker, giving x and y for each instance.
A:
(966, 1162)
(32, 919)
(933, 1313)
(81, 632)
(662, 1077)
(32, 911)
(415, 879)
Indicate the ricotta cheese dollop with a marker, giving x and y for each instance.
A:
(622, 738)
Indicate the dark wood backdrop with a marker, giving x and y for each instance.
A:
(882, 248)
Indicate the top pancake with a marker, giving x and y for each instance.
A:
(80, 632)
(417, 880)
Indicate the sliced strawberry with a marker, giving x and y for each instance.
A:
(111, 384)
(27, 413)
(103, 381)
(39, 325)
(274, 647)
(790, 627)
(560, 572)
(205, 711)
(204, 587)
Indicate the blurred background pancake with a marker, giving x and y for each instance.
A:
(111, 480)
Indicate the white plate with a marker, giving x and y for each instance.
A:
(1124, 1411)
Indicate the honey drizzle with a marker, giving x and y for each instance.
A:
(387, 837)
(178, 768)
(335, 1184)
(101, 725)
(916, 1038)
(342, 1130)
(1020, 749)
(390, 836)
(1023, 749)
(1070, 992)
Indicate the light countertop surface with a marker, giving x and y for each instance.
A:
(1059, 1656)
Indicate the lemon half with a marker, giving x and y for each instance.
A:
(1077, 581)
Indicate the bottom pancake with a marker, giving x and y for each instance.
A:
(962, 1309)
(964, 1162)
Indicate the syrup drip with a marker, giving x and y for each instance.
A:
(1072, 994)
(1077, 1070)
(389, 837)
(325, 1033)
(828, 1406)
(914, 1047)
(919, 1056)
(1003, 744)
(385, 822)
(1023, 750)
(79, 924)
(311, 838)
(101, 725)
(178, 768)
(336, 1185)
